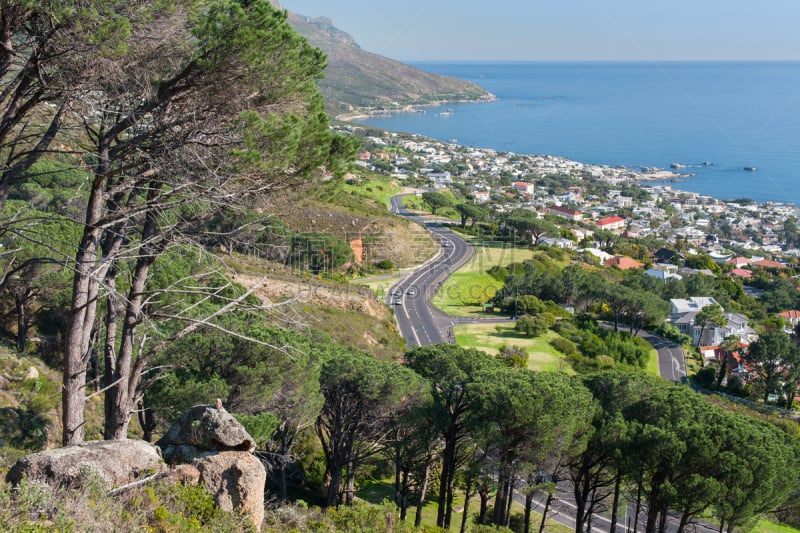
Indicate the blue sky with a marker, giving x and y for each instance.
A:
(518, 30)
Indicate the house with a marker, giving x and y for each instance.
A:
(523, 187)
(734, 363)
(599, 254)
(623, 263)
(564, 212)
(613, 224)
(662, 275)
(663, 255)
(739, 262)
(693, 304)
(684, 313)
(741, 273)
(481, 196)
(790, 318)
(558, 243)
(766, 263)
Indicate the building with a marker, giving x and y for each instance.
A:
(565, 212)
(523, 187)
(614, 224)
(684, 313)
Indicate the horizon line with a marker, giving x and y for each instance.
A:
(797, 60)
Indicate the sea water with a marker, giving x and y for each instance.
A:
(716, 118)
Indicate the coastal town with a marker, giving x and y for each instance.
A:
(631, 203)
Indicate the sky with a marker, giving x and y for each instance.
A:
(566, 30)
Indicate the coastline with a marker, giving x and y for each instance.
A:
(365, 113)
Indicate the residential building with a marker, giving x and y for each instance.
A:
(615, 224)
(564, 212)
(523, 187)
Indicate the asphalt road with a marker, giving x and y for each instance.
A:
(420, 323)
(671, 359)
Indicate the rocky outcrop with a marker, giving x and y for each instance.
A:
(209, 439)
(107, 463)
(236, 481)
(202, 429)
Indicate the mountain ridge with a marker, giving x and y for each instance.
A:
(358, 81)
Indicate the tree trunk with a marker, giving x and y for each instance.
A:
(127, 376)
(502, 497)
(404, 491)
(110, 356)
(333, 486)
(467, 496)
(448, 465)
(615, 504)
(638, 505)
(350, 484)
(146, 420)
(484, 510)
(509, 500)
(547, 503)
(398, 466)
(83, 310)
(22, 323)
(422, 492)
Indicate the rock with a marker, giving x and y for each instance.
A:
(236, 480)
(109, 463)
(202, 429)
(31, 373)
(186, 475)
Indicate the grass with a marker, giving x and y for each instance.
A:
(467, 289)
(377, 188)
(380, 284)
(652, 364)
(490, 337)
(376, 491)
(765, 526)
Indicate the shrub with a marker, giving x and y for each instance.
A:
(513, 356)
(705, 377)
(531, 326)
(385, 264)
(563, 345)
(498, 272)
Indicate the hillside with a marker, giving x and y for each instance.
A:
(357, 79)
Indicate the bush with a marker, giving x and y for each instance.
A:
(163, 506)
(531, 326)
(513, 356)
(563, 345)
(498, 272)
(385, 264)
(706, 377)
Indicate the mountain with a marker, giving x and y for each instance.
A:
(356, 80)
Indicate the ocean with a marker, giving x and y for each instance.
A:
(730, 115)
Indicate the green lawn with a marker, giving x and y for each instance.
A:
(376, 491)
(490, 337)
(652, 363)
(765, 526)
(467, 289)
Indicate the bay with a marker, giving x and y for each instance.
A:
(729, 114)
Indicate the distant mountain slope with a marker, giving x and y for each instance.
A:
(357, 79)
